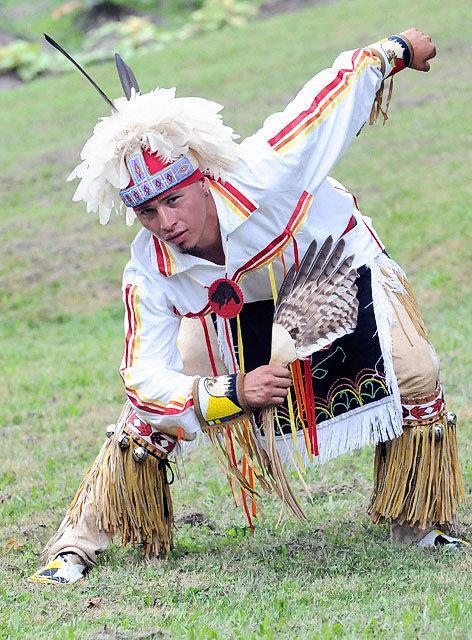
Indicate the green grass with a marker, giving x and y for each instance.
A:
(61, 336)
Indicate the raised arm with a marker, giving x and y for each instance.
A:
(314, 130)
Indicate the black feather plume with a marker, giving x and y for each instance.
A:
(127, 77)
(76, 64)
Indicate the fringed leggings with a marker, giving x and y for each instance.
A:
(417, 480)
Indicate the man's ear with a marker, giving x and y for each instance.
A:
(205, 182)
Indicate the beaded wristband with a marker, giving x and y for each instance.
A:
(399, 53)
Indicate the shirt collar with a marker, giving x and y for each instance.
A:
(232, 208)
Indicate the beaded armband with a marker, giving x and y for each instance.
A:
(219, 399)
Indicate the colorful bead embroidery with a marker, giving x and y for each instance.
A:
(217, 399)
(147, 186)
(398, 53)
(421, 411)
(225, 298)
(157, 443)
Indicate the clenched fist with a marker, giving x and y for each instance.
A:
(266, 386)
(422, 46)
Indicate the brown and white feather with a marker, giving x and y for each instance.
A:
(318, 304)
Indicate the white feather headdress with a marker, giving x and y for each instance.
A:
(168, 126)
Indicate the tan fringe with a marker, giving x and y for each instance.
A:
(218, 440)
(128, 498)
(265, 465)
(280, 483)
(408, 301)
(417, 477)
(377, 107)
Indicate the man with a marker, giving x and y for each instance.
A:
(222, 225)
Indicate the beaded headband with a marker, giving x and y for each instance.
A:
(148, 186)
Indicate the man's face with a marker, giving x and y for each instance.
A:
(179, 217)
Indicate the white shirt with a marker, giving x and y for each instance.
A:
(278, 191)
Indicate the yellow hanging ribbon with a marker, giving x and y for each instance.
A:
(273, 284)
(291, 414)
(240, 345)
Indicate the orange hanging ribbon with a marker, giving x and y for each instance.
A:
(243, 495)
(282, 259)
(301, 402)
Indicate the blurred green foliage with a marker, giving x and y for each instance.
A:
(18, 55)
(126, 32)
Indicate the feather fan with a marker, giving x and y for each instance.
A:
(316, 304)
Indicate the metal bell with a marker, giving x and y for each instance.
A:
(111, 430)
(123, 441)
(451, 419)
(438, 432)
(140, 454)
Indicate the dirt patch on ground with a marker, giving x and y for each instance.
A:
(9, 81)
(195, 519)
(73, 269)
(110, 634)
(72, 262)
(274, 7)
(325, 488)
(6, 38)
